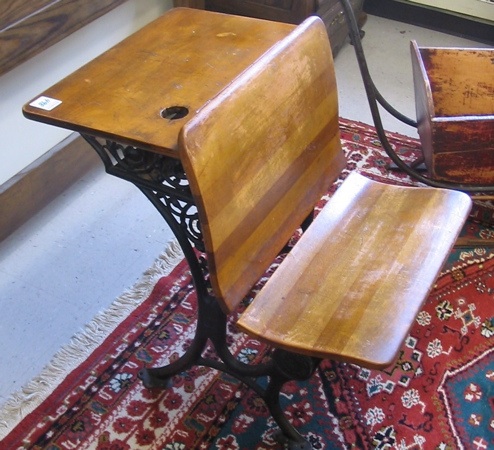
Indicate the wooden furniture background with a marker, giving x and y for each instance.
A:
(199, 4)
(433, 18)
(289, 11)
(454, 100)
(282, 10)
(28, 27)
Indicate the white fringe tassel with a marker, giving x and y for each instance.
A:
(29, 397)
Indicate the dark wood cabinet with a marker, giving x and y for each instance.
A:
(465, 26)
(290, 11)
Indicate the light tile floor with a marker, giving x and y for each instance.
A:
(93, 242)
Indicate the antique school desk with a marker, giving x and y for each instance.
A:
(255, 104)
(131, 102)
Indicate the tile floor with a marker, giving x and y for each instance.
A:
(94, 241)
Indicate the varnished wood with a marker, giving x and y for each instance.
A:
(460, 80)
(330, 11)
(287, 11)
(189, 3)
(28, 27)
(454, 96)
(352, 286)
(261, 154)
(260, 146)
(12, 11)
(184, 58)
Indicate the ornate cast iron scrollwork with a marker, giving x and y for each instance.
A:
(160, 174)
(163, 181)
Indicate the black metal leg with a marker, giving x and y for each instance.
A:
(288, 435)
(162, 180)
(288, 367)
(211, 325)
(159, 377)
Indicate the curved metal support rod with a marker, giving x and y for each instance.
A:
(272, 400)
(372, 96)
(234, 367)
(394, 112)
(159, 377)
(93, 142)
(382, 101)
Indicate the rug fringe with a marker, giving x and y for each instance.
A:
(30, 396)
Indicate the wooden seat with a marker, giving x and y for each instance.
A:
(352, 286)
(258, 158)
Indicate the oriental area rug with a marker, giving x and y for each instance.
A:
(439, 394)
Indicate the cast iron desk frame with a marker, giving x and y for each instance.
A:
(159, 175)
(162, 180)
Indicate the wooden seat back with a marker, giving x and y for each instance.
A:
(260, 155)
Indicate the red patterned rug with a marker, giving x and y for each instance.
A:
(438, 395)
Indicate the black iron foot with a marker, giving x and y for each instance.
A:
(153, 381)
(418, 165)
(290, 444)
(288, 366)
(159, 377)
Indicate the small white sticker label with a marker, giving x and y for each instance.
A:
(45, 103)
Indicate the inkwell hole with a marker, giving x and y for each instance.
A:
(174, 112)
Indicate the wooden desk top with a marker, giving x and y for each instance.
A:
(184, 58)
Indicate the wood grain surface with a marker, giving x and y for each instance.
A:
(28, 27)
(261, 154)
(454, 100)
(184, 58)
(352, 286)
